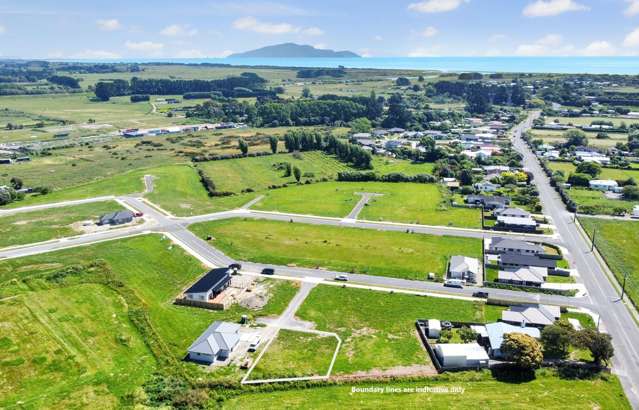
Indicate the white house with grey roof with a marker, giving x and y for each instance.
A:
(531, 315)
(512, 213)
(463, 268)
(497, 331)
(505, 245)
(216, 343)
(526, 276)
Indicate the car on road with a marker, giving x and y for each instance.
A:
(341, 278)
(235, 268)
(139, 214)
(454, 283)
(255, 343)
(268, 271)
(483, 295)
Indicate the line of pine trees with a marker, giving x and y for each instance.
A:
(311, 140)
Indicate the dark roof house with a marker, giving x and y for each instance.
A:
(209, 285)
(516, 260)
(116, 218)
(507, 245)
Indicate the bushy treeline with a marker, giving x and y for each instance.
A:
(64, 80)
(371, 176)
(480, 97)
(311, 140)
(244, 85)
(209, 185)
(320, 72)
(309, 112)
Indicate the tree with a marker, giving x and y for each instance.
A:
(273, 141)
(243, 146)
(7, 195)
(631, 192)
(522, 349)
(297, 173)
(306, 93)
(599, 344)
(467, 334)
(556, 339)
(402, 82)
(16, 183)
(579, 179)
(398, 114)
(362, 124)
(591, 168)
(466, 177)
(575, 138)
(288, 169)
(477, 100)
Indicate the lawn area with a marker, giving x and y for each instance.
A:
(296, 354)
(594, 202)
(481, 390)
(62, 347)
(555, 137)
(384, 165)
(400, 202)
(258, 173)
(606, 173)
(39, 226)
(617, 242)
(394, 254)
(378, 328)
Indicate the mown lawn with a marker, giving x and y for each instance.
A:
(378, 328)
(617, 241)
(153, 268)
(481, 391)
(400, 202)
(606, 173)
(39, 226)
(594, 202)
(384, 165)
(296, 354)
(258, 173)
(395, 254)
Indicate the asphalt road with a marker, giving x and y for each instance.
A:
(615, 315)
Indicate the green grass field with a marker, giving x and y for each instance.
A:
(39, 226)
(395, 254)
(296, 354)
(402, 202)
(617, 242)
(378, 328)
(260, 172)
(588, 120)
(383, 166)
(153, 269)
(557, 137)
(594, 202)
(481, 390)
(606, 173)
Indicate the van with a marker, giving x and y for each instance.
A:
(454, 283)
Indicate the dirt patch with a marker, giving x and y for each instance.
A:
(417, 370)
(255, 296)
(40, 267)
(186, 206)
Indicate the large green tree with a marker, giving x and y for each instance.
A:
(524, 350)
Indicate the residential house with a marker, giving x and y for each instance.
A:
(488, 202)
(209, 285)
(512, 213)
(216, 343)
(512, 261)
(507, 245)
(606, 185)
(497, 331)
(116, 218)
(531, 315)
(516, 224)
(463, 268)
(462, 355)
(527, 276)
(487, 186)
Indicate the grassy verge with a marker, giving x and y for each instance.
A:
(296, 354)
(394, 254)
(39, 226)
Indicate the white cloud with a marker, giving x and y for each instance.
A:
(145, 47)
(96, 55)
(545, 8)
(378, 38)
(599, 48)
(550, 44)
(253, 24)
(178, 30)
(633, 8)
(365, 52)
(109, 24)
(263, 27)
(632, 39)
(436, 6)
(429, 32)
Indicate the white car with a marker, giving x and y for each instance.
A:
(255, 343)
(341, 278)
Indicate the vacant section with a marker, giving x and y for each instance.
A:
(296, 354)
(394, 254)
(38, 226)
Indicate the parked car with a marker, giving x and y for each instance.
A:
(235, 268)
(480, 295)
(254, 344)
(341, 278)
(454, 283)
(139, 214)
(268, 271)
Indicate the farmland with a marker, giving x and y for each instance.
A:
(39, 226)
(619, 174)
(394, 254)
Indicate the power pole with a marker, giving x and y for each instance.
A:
(594, 235)
(623, 286)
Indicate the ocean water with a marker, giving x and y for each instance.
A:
(590, 65)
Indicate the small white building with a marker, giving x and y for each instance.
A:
(434, 328)
(462, 355)
(463, 268)
(605, 185)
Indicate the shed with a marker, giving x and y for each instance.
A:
(462, 355)
(434, 328)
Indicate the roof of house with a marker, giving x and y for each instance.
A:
(460, 263)
(515, 244)
(532, 315)
(514, 212)
(528, 274)
(527, 260)
(118, 215)
(218, 336)
(488, 199)
(606, 182)
(472, 351)
(496, 332)
(213, 280)
(516, 221)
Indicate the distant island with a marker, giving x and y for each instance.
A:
(292, 50)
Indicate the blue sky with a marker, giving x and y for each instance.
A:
(196, 29)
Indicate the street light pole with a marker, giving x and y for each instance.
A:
(594, 235)
(623, 287)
